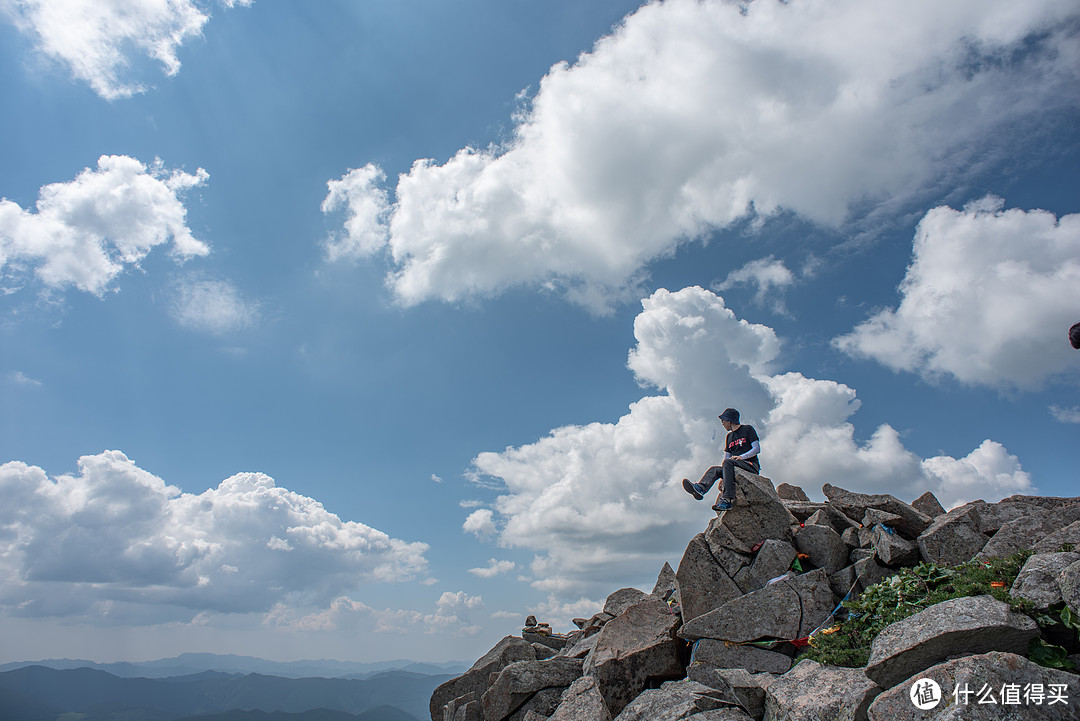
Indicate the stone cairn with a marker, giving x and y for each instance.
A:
(717, 639)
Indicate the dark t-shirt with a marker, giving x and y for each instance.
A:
(739, 441)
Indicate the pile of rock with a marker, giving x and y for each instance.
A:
(718, 639)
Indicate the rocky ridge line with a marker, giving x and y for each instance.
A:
(718, 639)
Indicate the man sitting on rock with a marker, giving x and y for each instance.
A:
(741, 448)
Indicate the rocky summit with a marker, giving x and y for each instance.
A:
(723, 637)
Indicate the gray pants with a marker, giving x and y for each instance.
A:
(727, 472)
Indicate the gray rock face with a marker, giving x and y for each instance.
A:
(712, 653)
(802, 510)
(874, 516)
(520, 681)
(788, 492)
(992, 671)
(1020, 533)
(1054, 541)
(1038, 579)
(665, 582)
(582, 702)
(633, 649)
(854, 505)
(736, 685)
(952, 538)
(929, 504)
(773, 559)
(824, 547)
(476, 679)
(673, 701)
(539, 706)
(892, 548)
(869, 572)
(721, 714)
(758, 514)
(703, 585)
(582, 647)
(623, 599)
(976, 624)
(812, 691)
(465, 708)
(1069, 584)
(787, 609)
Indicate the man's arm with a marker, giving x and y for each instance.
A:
(755, 448)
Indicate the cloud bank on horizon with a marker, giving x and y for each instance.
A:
(692, 116)
(116, 541)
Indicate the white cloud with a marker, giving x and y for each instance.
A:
(480, 523)
(215, 306)
(97, 39)
(1065, 415)
(770, 276)
(494, 568)
(87, 231)
(988, 299)
(601, 503)
(22, 379)
(987, 472)
(114, 537)
(695, 114)
(343, 614)
(366, 206)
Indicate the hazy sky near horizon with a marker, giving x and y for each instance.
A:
(363, 330)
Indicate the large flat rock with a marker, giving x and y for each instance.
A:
(961, 680)
(1036, 523)
(673, 701)
(952, 538)
(810, 691)
(1038, 579)
(975, 624)
(787, 609)
(635, 648)
(582, 701)
(517, 683)
(478, 678)
(702, 582)
(711, 653)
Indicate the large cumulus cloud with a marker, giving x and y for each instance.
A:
(87, 231)
(116, 537)
(988, 299)
(601, 503)
(694, 114)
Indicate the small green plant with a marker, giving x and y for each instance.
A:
(1049, 655)
(908, 592)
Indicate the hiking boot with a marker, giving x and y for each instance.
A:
(723, 505)
(693, 489)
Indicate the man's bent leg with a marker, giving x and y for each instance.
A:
(709, 478)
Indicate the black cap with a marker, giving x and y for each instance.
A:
(730, 414)
(1074, 336)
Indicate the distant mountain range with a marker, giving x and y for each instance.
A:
(38, 693)
(188, 664)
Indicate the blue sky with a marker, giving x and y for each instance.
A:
(362, 330)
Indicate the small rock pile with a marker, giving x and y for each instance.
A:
(717, 639)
